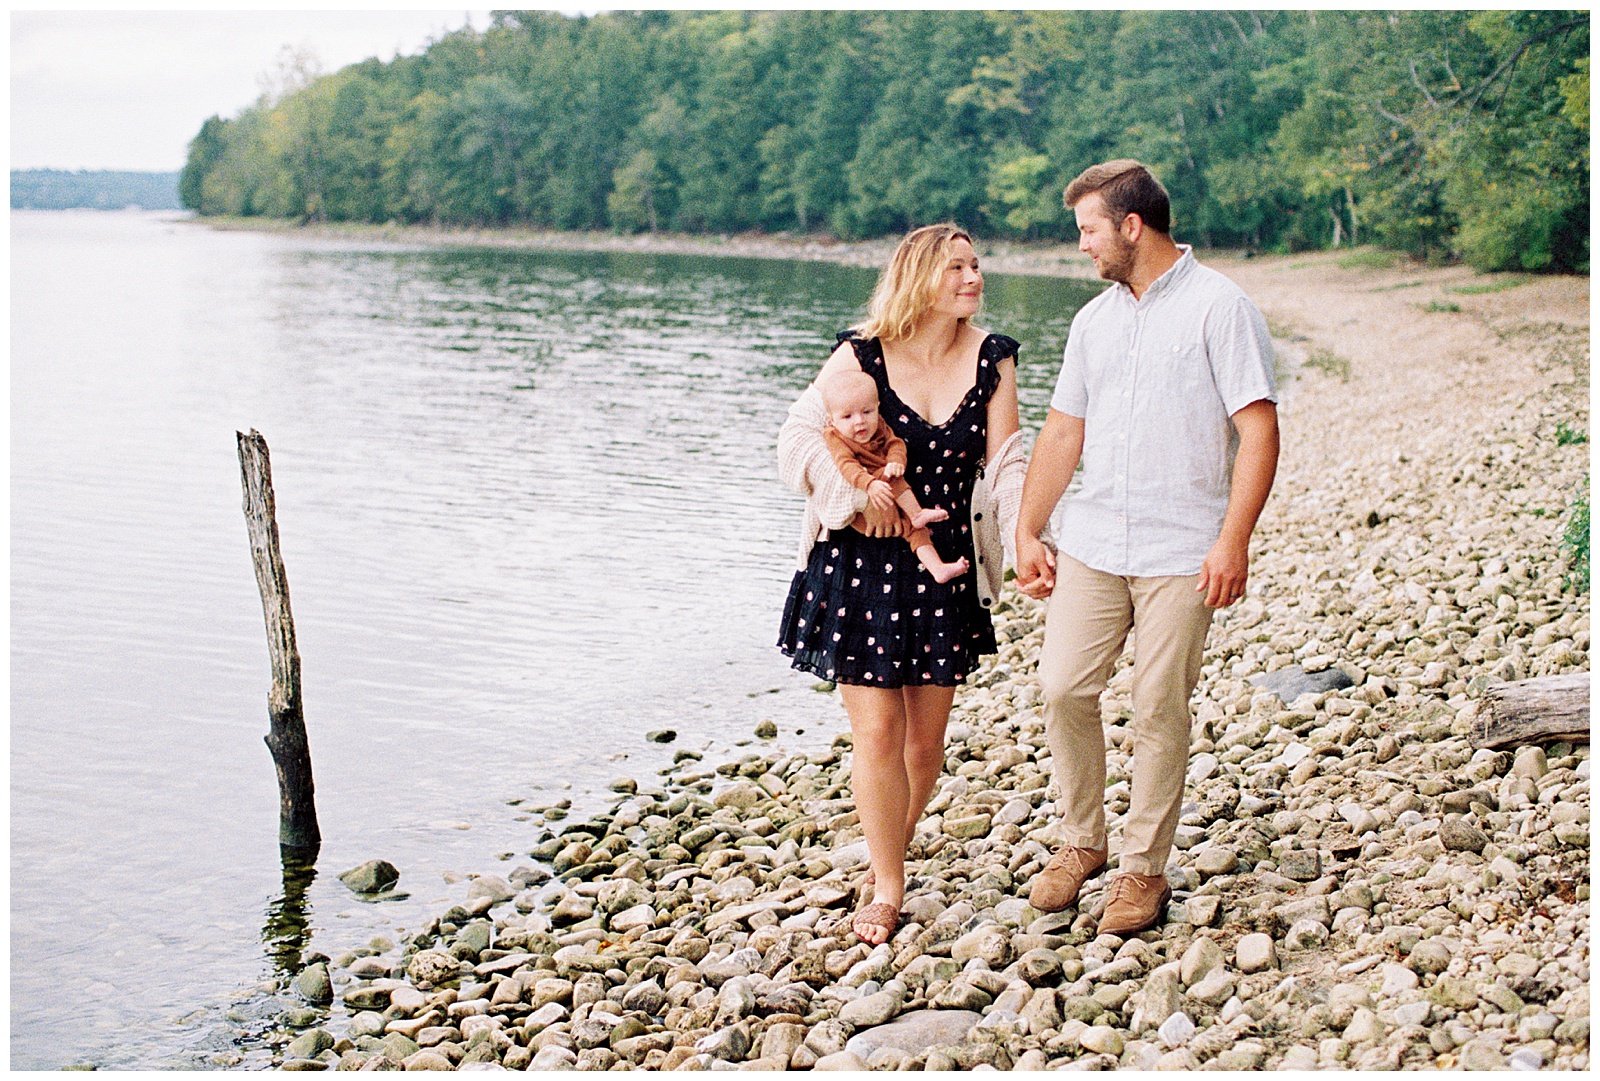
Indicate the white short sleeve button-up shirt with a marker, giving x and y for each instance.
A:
(1156, 380)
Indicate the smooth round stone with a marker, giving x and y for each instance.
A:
(840, 1060)
(1413, 1013)
(552, 1058)
(1300, 1058)
(1176, 1030)
(374, 876)
(1255, 952)
(366, 1023)
(1102, 1040)
(1481, 1056)
(314, 985)
(1217, 860)
(1430, 957)
(1459, 835)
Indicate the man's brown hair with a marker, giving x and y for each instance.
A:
(1126, 187)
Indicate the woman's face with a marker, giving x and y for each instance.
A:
(961, 287)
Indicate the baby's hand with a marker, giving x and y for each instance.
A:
(880, 495)
(893, 469)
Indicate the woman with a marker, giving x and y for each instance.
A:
(862, 611)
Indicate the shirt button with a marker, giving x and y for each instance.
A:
(1120, 519)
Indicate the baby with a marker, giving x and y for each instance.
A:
(873, 458)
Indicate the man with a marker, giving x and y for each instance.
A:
(1167, 396)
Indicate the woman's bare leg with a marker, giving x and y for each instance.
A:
(880, 784)
(927, 711)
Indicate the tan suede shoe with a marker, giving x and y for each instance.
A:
(1057, 886)
(1134, 903)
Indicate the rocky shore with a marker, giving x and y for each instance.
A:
(1355, 885)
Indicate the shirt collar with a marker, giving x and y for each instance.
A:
(1169, 278)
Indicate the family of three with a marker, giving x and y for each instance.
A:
(909, 452)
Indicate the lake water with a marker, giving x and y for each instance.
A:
(529, 512)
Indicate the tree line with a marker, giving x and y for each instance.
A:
(1444, 134)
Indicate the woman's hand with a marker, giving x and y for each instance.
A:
(875, 522)
(880, 495)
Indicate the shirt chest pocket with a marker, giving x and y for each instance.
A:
(1180, 362)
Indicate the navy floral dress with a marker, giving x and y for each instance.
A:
(865, 611)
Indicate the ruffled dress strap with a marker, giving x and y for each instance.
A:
(869, 354)
(995, 348)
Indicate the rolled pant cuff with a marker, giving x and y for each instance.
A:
(1140, 865)
(1083, 840)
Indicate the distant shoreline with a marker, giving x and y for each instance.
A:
(94, 189)
(1363, 269)
(1052, 259)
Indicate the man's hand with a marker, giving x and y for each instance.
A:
(1223, 574)
(880, 495)
(1227, 565)
(875, 522)
(1055, 457)
(1036, 567)
(893, 469)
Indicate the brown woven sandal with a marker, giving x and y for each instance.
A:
(879, 914)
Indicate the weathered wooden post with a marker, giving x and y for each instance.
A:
(297, 810)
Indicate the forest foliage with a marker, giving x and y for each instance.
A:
(1443, 134)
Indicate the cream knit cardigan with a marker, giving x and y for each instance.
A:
(806, 467)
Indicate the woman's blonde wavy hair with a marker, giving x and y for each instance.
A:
(908, 285)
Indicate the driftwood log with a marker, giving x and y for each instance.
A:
(291, 753)
(1536, 711)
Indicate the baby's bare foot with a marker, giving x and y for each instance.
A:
(924, 518)
(946, 571)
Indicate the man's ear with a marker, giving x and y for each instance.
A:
(1132, 228)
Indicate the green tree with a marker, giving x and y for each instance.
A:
(1019, 184)
(632, 202)
(205, 153)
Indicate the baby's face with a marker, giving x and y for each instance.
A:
(855, 415)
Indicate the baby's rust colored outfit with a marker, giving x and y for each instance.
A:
(862, 463)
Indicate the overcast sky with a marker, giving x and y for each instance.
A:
(129, 89)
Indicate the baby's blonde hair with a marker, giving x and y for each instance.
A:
(839, 384)
(907, 286)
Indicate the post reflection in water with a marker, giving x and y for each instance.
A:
(287, 929)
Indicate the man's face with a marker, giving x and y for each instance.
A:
(1101, 239)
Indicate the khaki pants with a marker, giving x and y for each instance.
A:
(1087, 623)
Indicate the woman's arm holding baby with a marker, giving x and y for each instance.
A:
(806, 466)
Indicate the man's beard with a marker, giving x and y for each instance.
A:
(1116, 265)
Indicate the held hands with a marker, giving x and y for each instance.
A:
(1223, 574)
(1036, 567)
(880, 495)
(893, 469)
